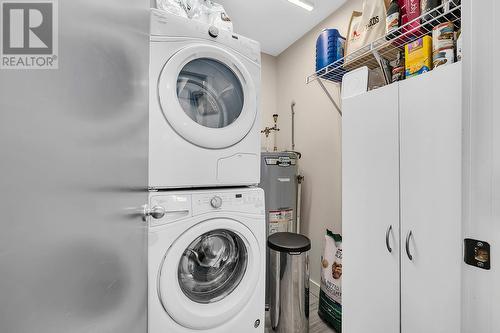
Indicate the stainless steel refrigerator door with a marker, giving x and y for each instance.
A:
(73, 175)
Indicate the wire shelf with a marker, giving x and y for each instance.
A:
(390, 45)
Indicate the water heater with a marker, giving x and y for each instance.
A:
(279, 172)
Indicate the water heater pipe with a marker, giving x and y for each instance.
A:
(300, 179)
(292, 106)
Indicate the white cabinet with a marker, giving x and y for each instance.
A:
(430, 173)
(402, 169)
(370, 192)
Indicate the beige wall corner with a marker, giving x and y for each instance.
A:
(269, 97)
(318, 133)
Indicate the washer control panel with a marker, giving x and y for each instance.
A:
(246, 201)
(175, 207)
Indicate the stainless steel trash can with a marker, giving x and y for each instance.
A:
(289, 283)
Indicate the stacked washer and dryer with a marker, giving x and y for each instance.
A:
(207, 234)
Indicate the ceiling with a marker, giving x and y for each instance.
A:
(276, 24)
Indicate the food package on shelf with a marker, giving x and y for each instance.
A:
(398, 68)
(418, 56)
(443, 44)
(410, 11)
(330, 296)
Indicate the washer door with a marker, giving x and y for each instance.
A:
(209, 273)
(207, 96)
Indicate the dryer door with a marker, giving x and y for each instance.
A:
(207, 96)
(209, 273)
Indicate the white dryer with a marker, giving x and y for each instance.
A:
(204, 105)
(206, 261)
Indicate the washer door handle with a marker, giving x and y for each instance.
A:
(156, 212)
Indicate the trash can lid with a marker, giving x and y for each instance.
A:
(288, 242)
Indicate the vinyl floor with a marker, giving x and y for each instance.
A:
(316, 324)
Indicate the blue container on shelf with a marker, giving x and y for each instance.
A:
(330, 47)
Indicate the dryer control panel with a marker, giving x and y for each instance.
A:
(165, 25)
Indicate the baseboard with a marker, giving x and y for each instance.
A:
(314, 288)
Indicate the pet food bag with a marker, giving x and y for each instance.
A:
(367, 26)
(410, 11)
(330, 296)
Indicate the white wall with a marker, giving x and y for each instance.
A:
(481, 289)
(269, 96)
(318, 133)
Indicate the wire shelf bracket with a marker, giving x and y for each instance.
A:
(337, 107)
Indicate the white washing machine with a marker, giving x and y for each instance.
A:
(204, 105)
(206, 261)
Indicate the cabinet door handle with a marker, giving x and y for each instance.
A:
(388, 232)
(410, 234)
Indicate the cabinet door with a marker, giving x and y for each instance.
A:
(430, 126)
(370, 211)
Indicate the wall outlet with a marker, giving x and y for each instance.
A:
(477, 253)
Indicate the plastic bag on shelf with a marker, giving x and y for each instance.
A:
(205, 11)
(193, 8)
(218, 17)
(172, 6)
(214, 14)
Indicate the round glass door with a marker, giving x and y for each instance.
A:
(212, 266)
(208, 96)
(210, 273)
(210, 93)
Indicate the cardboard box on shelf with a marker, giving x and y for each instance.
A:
(418, 56)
